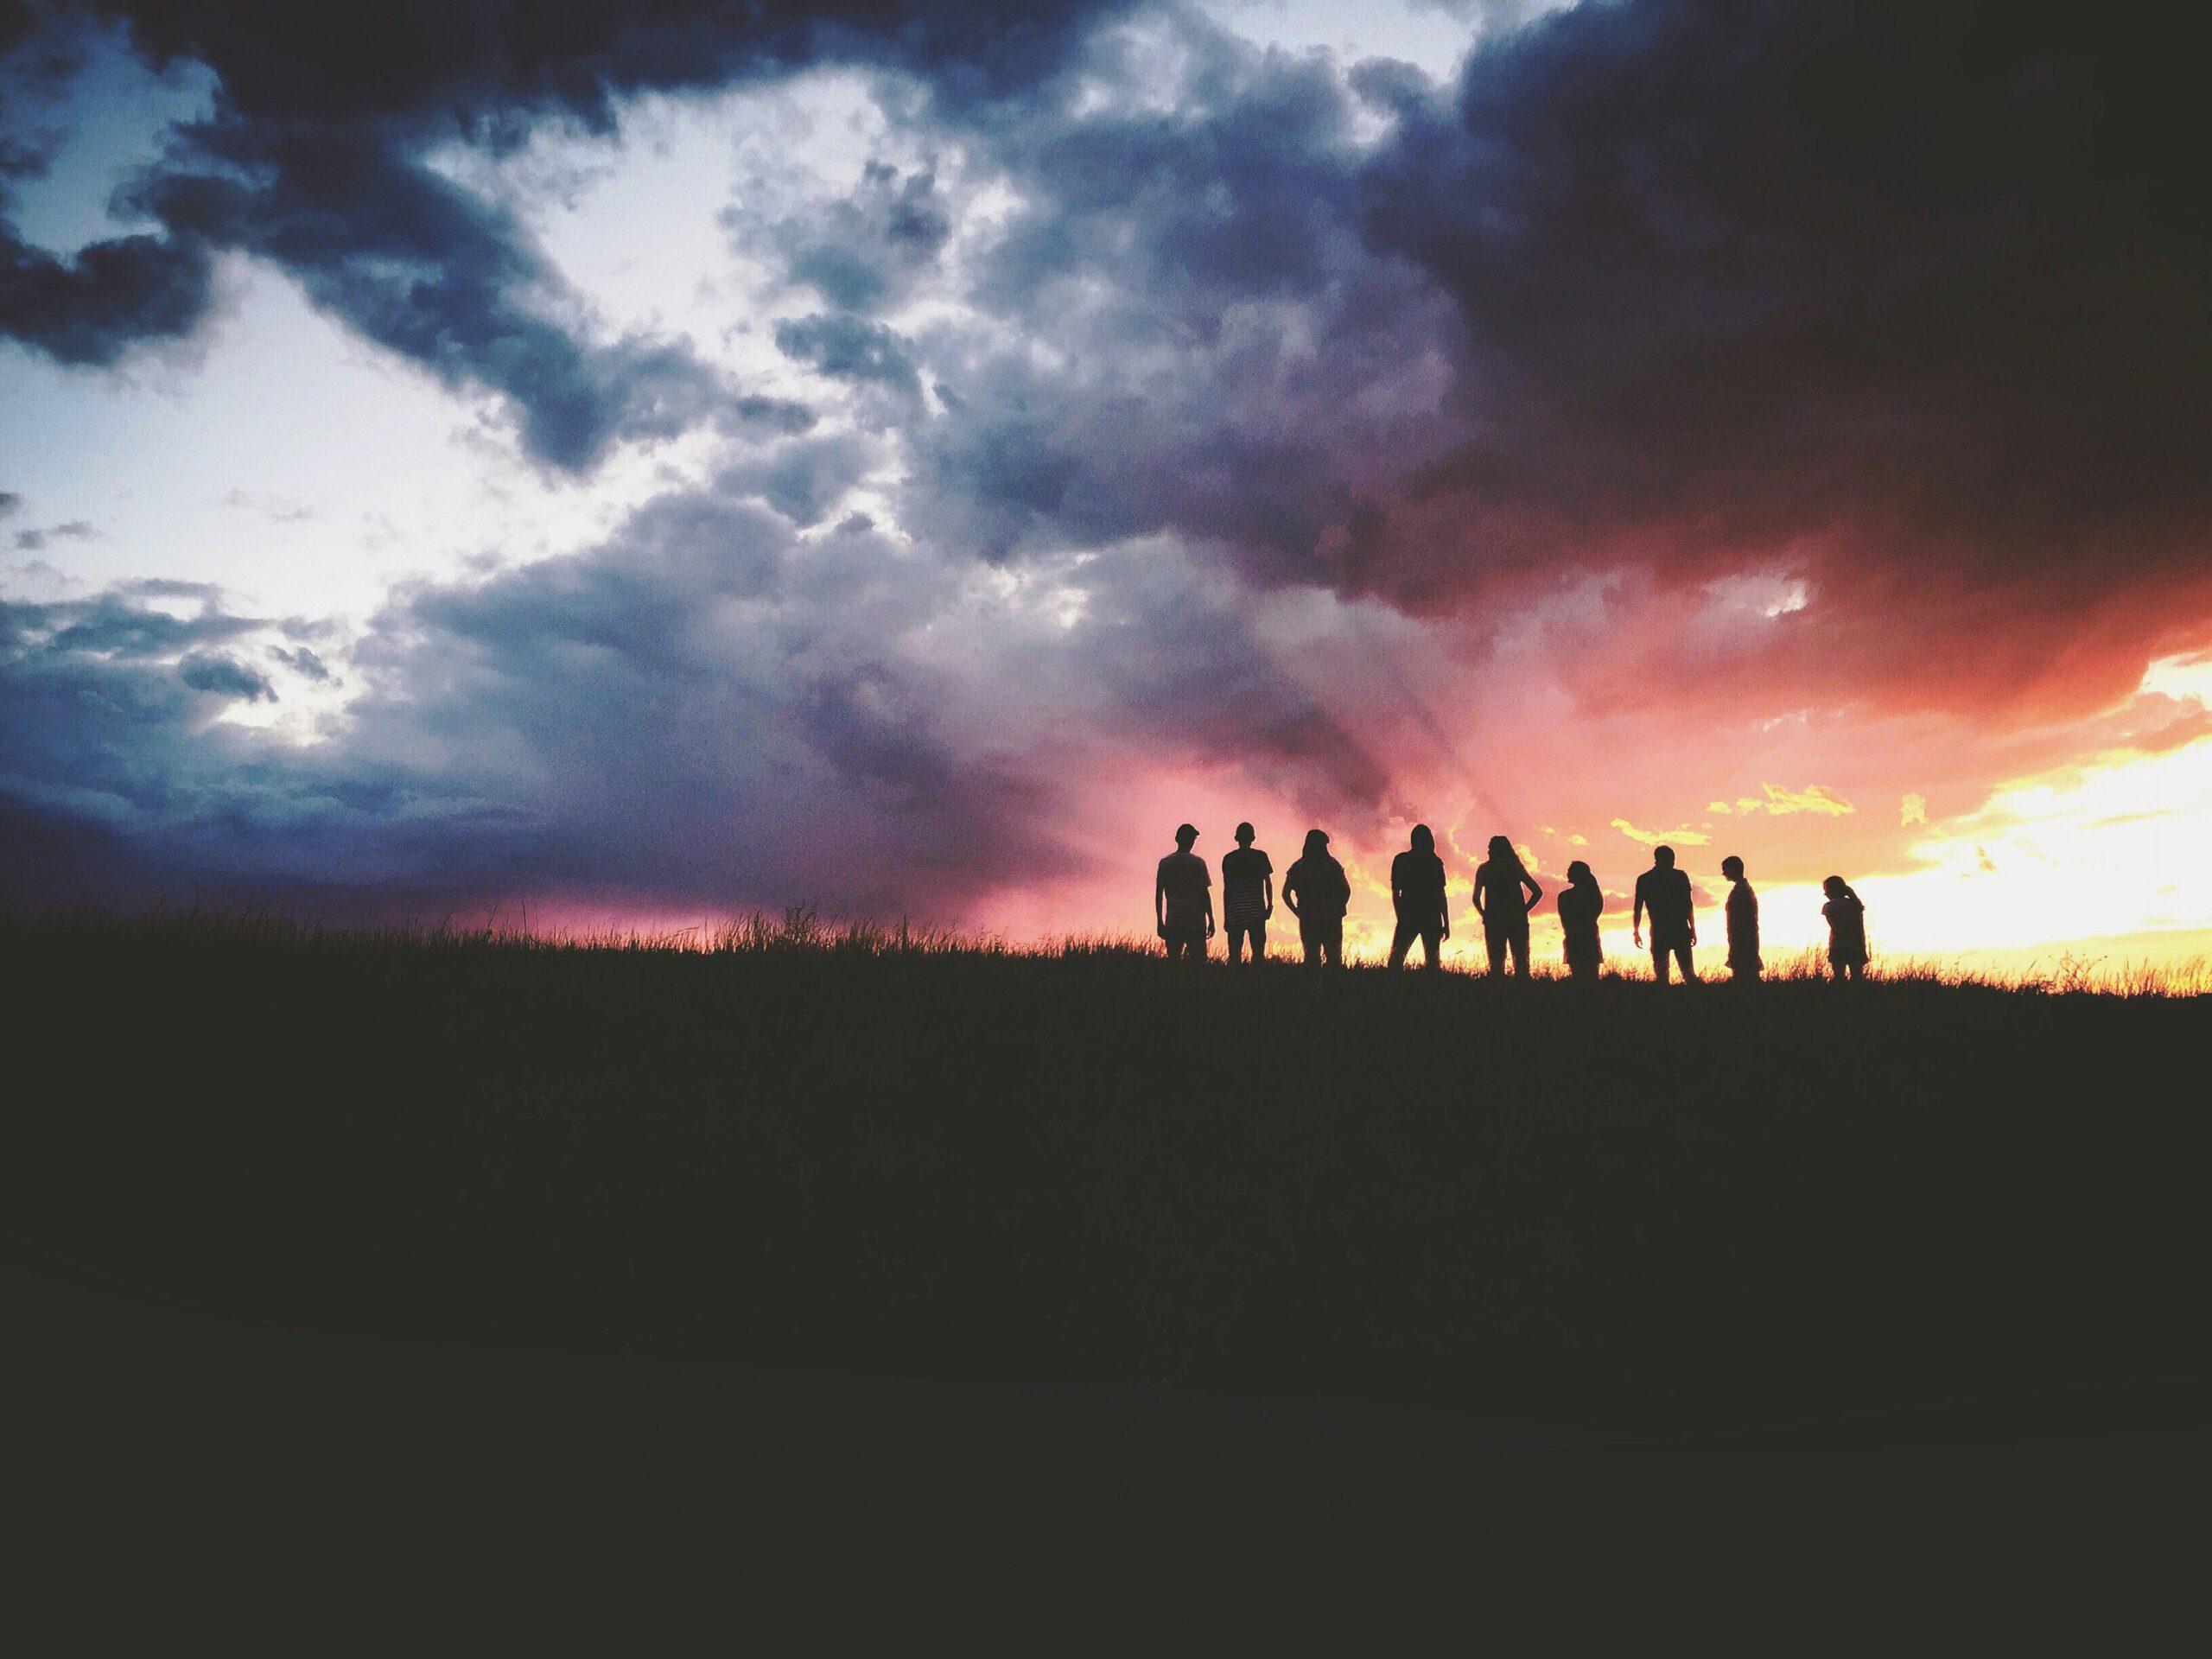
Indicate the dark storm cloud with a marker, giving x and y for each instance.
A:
(705, 710)
(851, 349)
(91, 307)
(313, 160)
(225, 676)
(9, 502)
(1224, 357)
(1922, 284)
(805, 479)
(866, 249)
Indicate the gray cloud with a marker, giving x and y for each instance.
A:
(851, 349)
(73, 529)
(868, 249)
(313, 160)
(225, 676)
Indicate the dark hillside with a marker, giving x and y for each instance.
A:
(1657, 1212)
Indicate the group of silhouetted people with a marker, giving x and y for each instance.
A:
(1318, 892)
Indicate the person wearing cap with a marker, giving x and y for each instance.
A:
(1247, 896)
(1318, 892)
(1182, 900)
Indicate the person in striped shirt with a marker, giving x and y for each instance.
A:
(1247, 896)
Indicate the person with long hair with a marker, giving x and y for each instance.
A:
(1317, 890)
(1417, 892)
(1501, 882)
(1846, 930)
(1580, 902)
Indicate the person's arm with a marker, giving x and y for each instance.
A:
(1268, 896)
(1635, 921)
(1535, 892)
(1690, 894)
(1290, 891)
(1159, 903)
(1481, 910)
(1209, 897)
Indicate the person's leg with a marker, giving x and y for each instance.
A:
(1432, 947)
(1686, 955)
(1310, 938)
(1400, 941)
(1659, 961)
(1259, 932)
(1518, 940)
(1236, 943)
(1332, 943)
(1494, 947)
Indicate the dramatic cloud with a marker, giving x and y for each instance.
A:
(1903, 298)
(1683, 399)
(315, 160)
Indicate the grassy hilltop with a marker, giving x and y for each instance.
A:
(1658, 1212)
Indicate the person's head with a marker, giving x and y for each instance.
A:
(1835, 886)
(1317, 843)
(1732, 867)
(1578, 875)
(1500, 847)
(1424, 842)
(1663, 857)
(1185, 836)
(1244, 833)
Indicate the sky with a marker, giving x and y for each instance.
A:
(635, 464)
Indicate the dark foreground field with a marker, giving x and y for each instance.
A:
(1619, 1216)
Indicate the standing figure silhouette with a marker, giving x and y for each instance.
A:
(1744, 964)
(1581, 904)
(1846, 930)
(1182, 900)
(1665, 892)
(1500, 882)
(1317, 891)
(1247, 896)
(1417, 891)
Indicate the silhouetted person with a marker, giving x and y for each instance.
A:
(1417, 891)
(1182, 900)
(1247, 896)
(1501, 880)
(1663, 892)
(1847, 929)
(1581, 904)
(1317, 891)
(1744, 964)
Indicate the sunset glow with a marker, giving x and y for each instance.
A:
(908, 471)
